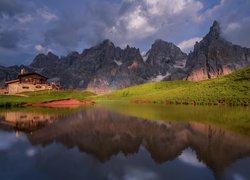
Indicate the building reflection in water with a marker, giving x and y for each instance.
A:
(26, 121)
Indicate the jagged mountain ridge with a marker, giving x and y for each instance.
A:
(101, 66)
(105, 67)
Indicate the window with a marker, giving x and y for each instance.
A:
(25, 87)
(38, 87)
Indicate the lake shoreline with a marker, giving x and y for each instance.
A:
(68, 103)
(74, 103)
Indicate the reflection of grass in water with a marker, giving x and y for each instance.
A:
(232, 118)
(49, 111)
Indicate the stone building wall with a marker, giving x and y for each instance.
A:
(3, 91)
(18, 88)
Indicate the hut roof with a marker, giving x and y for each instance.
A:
(29, 74)
(12, 81)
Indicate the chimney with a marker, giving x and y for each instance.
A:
(22, 71)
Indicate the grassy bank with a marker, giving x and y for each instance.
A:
(233, 89)
(42, 96)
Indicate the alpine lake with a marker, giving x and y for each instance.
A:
(125, 141)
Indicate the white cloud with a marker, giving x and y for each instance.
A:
(46, 15)
(137, 24)
(141, 19)
(238, 32)
(238, 177)
(24, 19)
(39, 48)
(232, 26)
(171, 7)
(43, 49)
(189, 157)
(188, 45)
(214, 10)
(139, 174)
(31, 152)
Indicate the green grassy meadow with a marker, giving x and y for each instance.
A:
(233, 89)
(42, 96)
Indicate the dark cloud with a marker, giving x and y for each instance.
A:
(238, 32)
(21, 24)
(10, 8)
(91, 26)
(12, 31)
(126, 22)
(65, 32)
(31, 26)
(10, 39)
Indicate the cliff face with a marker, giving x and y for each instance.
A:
(214, 56)
(164, 55)
(166, 61)
(115, 67)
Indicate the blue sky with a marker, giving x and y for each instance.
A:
(29, 27)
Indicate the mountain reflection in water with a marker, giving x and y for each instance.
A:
(105, 134)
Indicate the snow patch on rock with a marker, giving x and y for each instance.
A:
(119, 63)
(145, 57)
(180, 64)
(159, 77)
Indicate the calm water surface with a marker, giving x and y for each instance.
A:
(127, 142)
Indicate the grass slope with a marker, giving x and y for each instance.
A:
(232, 89)
(42, 96)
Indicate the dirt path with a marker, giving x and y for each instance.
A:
(70, 103)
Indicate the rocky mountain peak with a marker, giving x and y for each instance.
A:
(73, 54)
(164, 57)
(160, 42)
(160, 45)
(214, 56)
(42, 60)
(52, 56)
(106, 43)
(163, 48)
(215, 27)
(107, 47)
(215, 31)
(127, 47)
